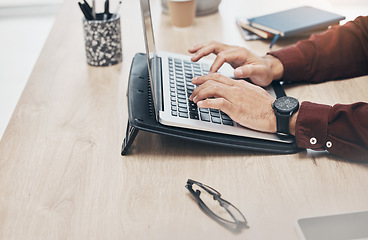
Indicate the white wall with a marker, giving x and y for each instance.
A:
(20, 47)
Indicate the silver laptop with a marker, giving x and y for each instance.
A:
(170, 80)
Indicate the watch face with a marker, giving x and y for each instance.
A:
(286, 104)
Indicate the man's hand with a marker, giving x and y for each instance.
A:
(260, 70)
(245, 103)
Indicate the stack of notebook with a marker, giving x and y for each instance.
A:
(297, 21)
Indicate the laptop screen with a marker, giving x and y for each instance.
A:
(151, 54)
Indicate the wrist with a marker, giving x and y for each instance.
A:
(292, 123)
(275, 65)
(286, 111)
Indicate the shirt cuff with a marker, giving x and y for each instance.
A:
(293, 61)
(311, 126)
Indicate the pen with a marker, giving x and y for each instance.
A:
(94, 9)
(117, 8)
(106, 12)
(85, 11)
(88, 7)
(274, 40)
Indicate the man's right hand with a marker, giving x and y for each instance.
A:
(260, 70)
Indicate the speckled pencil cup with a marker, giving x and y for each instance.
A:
(103, 40)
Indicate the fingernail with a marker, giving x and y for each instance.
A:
(199, 104)
(238, 72)
(194, 79)
(194, 99)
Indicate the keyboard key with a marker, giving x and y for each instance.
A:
(194, 115)
(227, 122)
(182, 101)
(174, 113)
(216, 120)
(215, 114)
(183, 115)
(184, 110)
(188, 75)
(226, 117)
(190, 86)
(193, 109)
(205, 117)
(206, 67)
(182, 105)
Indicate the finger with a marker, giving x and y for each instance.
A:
(257, 74)
(221, 104)
(215, 77)
(225, 56)
(195, 48)
(202, 52)
(211, 89)
(213, 47)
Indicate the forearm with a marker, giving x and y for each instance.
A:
(340, 52)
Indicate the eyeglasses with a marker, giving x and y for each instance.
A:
(228, 215)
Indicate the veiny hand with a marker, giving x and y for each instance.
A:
(245, 103)
(260, 70)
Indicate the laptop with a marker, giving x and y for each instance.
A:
(344, 226)
(170, 80)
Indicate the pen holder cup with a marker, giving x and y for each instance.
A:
(103, 40)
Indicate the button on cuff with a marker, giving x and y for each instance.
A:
(313, 141)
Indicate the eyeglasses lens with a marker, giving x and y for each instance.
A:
(214, 205)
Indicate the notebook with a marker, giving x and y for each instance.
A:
(170, 79)
(296, 20)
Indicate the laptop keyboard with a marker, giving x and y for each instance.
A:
(181, 73)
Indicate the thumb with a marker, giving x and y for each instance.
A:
(257, 74)
(244, 71)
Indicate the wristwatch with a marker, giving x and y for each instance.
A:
(284, 108)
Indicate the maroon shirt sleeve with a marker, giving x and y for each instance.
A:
(339, 53)
(341, 129)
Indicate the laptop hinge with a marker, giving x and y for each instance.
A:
(159, 90)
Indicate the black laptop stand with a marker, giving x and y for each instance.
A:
(142, 117)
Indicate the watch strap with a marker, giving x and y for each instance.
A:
(282, 121)
(279, 90)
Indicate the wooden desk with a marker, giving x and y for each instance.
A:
(62, 176)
